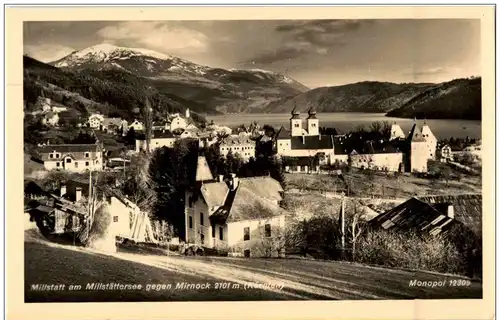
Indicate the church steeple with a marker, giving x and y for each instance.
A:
(312, 123)
(295, 122)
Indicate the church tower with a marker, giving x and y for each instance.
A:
(312, 123)
(295, 123)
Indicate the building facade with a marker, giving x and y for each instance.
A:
(304, 142)
(72, 157)
(241, 215)
(159, 139)
(241, 145)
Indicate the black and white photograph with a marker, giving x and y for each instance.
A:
(252, 160)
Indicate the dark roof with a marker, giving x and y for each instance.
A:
(416, 215)
(157, 134)
(312, 113)
(92, 147)
(422, 213)
(468, 208)
(236, 140)
(283, 134)
(311, 142)
(416, 134)
(346, 145)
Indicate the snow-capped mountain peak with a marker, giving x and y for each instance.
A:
(104, 52)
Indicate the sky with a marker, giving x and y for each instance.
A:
(314, 52)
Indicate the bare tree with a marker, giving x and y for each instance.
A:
(356, 225)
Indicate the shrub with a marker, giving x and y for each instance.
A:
(409, 250)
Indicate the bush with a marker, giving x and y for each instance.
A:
(409, 250)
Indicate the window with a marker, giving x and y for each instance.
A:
(57, 155)
(201, 218)
(87, 155)
(202, 238)
(51, 156)
(221, 233)
(57, 164)
(115, 219)
(68, 160)
(267, 228)
(190, 222)
(86, 163)
(246, 234)
(76, 164)
(246, 253)
(213, 231)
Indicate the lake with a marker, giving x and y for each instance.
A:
(347, 121)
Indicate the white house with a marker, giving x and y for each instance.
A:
(240, 144)
(241, 215)
(137, 125)
(127, 220)
(95, 120)
(446, 154)
(159, 139)
(72, 157)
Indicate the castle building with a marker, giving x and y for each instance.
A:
(304, 142)
(396, 152)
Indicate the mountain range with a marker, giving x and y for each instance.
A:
(115, 80)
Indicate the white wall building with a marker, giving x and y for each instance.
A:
(159, 139)
(72, 157)
(299, 142)
(240, 144)
(95, 120)
(241, 215)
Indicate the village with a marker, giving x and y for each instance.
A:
(248, 215)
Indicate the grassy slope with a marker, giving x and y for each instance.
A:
(301, 279)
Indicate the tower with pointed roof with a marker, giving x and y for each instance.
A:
(312, 123)
(295, 123)
(430, 139)
(418, 150)
(396, 132)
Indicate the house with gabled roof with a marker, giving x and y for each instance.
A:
(159, 139)
(241, 144)
(72, 157)
(241, 215)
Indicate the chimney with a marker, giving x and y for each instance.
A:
(233, 182)
(451, 212)
(78, 195)
(221, 177)
(62, 190)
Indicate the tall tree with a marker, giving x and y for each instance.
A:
(147, 115)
